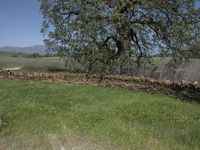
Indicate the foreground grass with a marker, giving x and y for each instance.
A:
(39, 115)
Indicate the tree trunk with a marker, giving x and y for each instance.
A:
(124, 52)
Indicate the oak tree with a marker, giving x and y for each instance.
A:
(103, 34)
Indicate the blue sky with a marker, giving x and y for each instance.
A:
(20, 23)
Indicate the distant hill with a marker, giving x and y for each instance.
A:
(40, 49)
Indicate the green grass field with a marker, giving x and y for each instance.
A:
(39, 115)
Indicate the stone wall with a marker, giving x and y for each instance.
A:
(189, 91)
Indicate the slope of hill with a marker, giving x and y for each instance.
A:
(40, 49)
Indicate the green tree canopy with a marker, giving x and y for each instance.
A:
(100, 33)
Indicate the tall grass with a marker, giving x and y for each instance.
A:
(40, 115)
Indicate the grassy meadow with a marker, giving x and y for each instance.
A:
(41, 115)
(28, 64)
(47, 64)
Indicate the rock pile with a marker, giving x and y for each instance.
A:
(183, 89)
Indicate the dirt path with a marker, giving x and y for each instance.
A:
(16, 68)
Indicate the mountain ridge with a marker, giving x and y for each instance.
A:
(40, 49)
